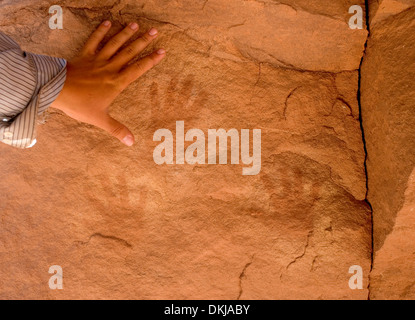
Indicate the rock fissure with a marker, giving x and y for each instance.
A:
(303, 253)
(185, 224)
(243, 275)
(102, 236)
(364, 141)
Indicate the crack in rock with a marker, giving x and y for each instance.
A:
(237, 25)
(256, 83)
(304, 252)
(204, 4)
(364, 141)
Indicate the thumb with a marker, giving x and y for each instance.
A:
(118, 130)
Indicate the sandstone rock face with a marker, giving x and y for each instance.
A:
(388, 119)
(382, 9)
(122, 226)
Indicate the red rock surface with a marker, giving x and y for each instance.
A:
(388, 119)
(382, 9)
(123, 227)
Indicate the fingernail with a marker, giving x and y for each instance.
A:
(161, 51)
(107, 23)
(134, 26)
(152, 32)
(128, 140)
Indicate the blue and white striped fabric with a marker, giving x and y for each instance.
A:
(29, 83)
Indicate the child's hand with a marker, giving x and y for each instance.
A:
(96, 78)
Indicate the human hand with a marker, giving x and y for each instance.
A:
(95, 78)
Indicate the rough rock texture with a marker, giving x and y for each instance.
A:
(123, 227)
(392, 276)
(388, 113)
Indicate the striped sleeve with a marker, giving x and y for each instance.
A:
(29, 83)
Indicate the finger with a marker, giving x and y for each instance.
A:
(118, 130)
(137, 69)
(95, 39)
(132, 50)
(117, 41)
